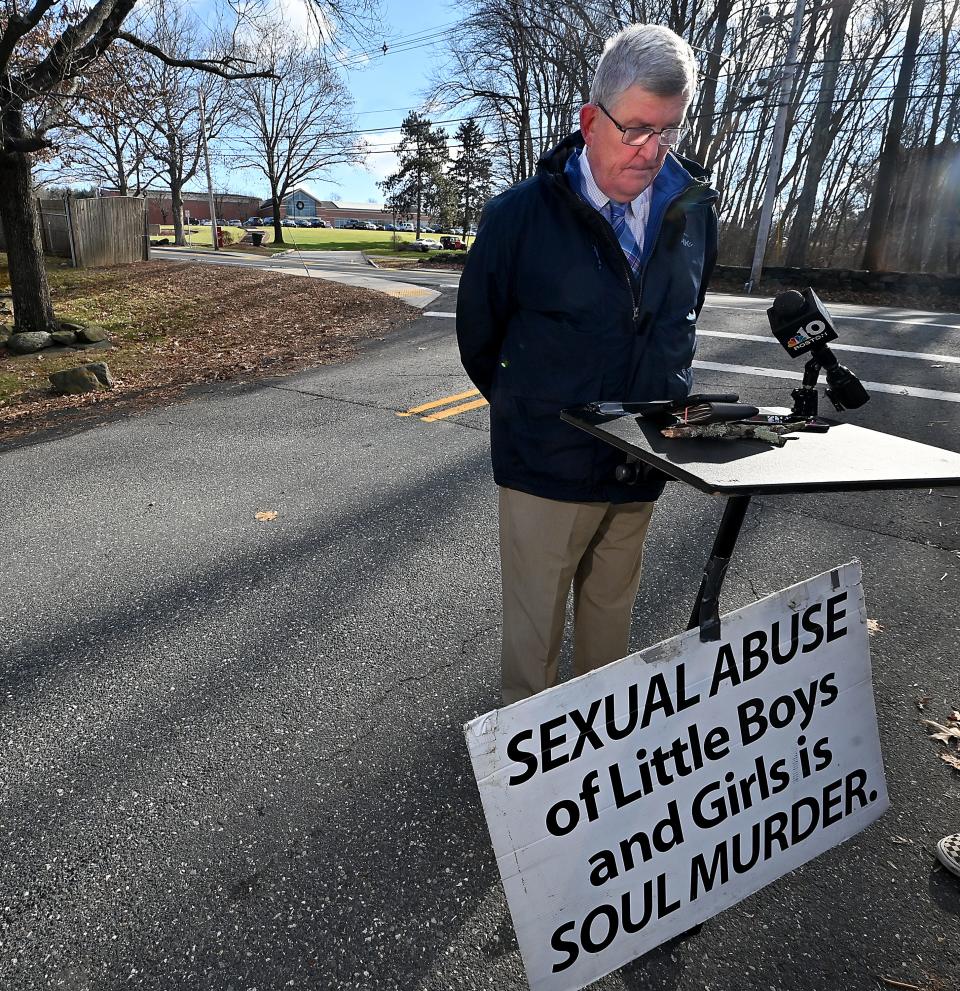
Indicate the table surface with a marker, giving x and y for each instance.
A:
(845, 458)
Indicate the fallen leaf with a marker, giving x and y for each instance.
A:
(266, 514)
(946, 734)
(901, 841)
(874, 627)
(952, 760)
(922, 701)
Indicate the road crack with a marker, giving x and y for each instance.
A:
(919, 541)
(365, 404)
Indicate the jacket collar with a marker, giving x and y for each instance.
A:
(677, 175)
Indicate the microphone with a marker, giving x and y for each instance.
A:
(802, 324)
(800, 321)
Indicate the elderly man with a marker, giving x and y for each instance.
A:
(585, 283)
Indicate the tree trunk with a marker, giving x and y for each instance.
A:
(419, 186)
(822, 141)
(708, 102)
(176, 199)
(277, 228)
(873, 255)
(119, 163)
(32, 307)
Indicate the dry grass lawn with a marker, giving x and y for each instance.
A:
(174, 326)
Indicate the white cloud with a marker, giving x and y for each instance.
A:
(382, 161)
(299, 16)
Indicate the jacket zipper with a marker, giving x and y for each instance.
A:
(595, 218)
(608, 231)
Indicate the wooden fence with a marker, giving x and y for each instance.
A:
(93, 232)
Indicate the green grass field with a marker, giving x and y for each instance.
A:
(319, 238)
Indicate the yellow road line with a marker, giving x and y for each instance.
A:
(440, 402)
(454, 410)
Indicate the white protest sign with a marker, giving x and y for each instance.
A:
(630, 804)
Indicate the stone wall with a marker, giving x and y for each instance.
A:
(937, 288)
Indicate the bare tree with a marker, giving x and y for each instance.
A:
(108, 134)
(522, 68)
(46, 49)
(873, 255)
(823, 134)
(296, 125)
(44, 53)
(175, 94)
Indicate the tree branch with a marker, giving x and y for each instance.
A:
(20, 146)
(79, 45)
(17, 27)
(204, 65)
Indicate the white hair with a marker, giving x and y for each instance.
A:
(645, 55)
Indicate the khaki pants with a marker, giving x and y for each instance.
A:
(547, 545)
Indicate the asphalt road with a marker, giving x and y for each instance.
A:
(232, 748)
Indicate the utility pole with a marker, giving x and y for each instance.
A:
(206, 156)
(779, 141)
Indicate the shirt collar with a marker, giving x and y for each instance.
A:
(595, 196)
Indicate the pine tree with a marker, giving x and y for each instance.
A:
(419, 185)
(470, 175)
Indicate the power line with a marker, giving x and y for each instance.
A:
(836, 102)
(539, 134)
(538, 108)
(412, 43)
(850, 59)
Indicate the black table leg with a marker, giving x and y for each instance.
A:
(706, 609)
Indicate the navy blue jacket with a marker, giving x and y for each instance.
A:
(549, 316)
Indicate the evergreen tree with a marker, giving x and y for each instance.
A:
(419, 185)
(470, 176)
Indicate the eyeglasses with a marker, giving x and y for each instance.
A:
(637, 137)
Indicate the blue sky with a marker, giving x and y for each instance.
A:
(383, 90)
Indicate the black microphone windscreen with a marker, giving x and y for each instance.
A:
(788, 303)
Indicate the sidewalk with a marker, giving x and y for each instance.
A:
(346, 267)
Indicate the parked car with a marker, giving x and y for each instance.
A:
(288, 222)
(233, 223)
(405, 227)
(425, 244)
(389, 227)
(253, 222)
(268, 221)
(317, 222)
(452, 244)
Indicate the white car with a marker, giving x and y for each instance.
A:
(425, 244)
